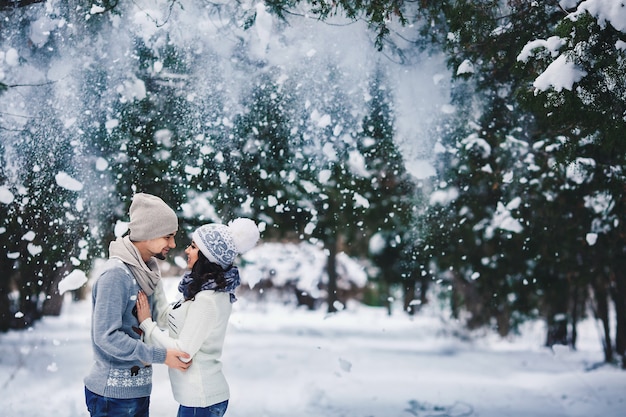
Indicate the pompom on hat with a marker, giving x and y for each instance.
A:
(222, 243)
(150, 218)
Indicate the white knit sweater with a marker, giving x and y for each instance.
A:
(197, 327)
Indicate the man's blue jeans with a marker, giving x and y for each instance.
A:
(215, 410)
(100, 406)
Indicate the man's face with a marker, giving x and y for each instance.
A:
(160, 247)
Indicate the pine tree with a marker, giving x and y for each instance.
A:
(146, 141)
(584, 123)
(269, 163)
(47, 226)
(390, 193)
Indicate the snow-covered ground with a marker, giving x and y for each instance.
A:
(282, 361)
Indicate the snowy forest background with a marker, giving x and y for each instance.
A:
(469, 151)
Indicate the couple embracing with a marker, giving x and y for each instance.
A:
(133, 325)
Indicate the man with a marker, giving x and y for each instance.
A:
(120, 381)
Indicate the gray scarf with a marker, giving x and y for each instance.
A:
(147, 274)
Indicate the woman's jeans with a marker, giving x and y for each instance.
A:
(215, 410)
(100, 406)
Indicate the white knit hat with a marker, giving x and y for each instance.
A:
(221, 244)
(150, 218)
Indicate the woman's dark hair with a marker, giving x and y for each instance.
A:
(204, 271)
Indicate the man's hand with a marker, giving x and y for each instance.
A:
(174, 359)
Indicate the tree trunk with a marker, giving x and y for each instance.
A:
(29, 310)
(557, 313)
(424, 284)
(387, 293)
(503, 319)
(54, 301)
(575, 313)
(455, 300)
(331, 270)
(409, 304)
(619, 298)
(5, 306)
(602, 313)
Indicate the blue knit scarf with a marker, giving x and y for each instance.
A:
(232, 282)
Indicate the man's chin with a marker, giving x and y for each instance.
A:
(160, 256)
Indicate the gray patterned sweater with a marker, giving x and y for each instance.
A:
(122, 367)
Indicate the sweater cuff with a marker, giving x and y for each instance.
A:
(147, 326)
(159, 355)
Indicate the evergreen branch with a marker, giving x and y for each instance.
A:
(14, 4)
(16, 115)
(167, 18)
(4, 87)
(6, 129)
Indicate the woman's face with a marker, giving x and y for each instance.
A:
(192, 254)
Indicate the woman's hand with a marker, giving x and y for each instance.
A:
(143, 307)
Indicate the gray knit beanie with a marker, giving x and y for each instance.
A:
(150, 218)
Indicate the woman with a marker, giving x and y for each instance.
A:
(197, 322)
